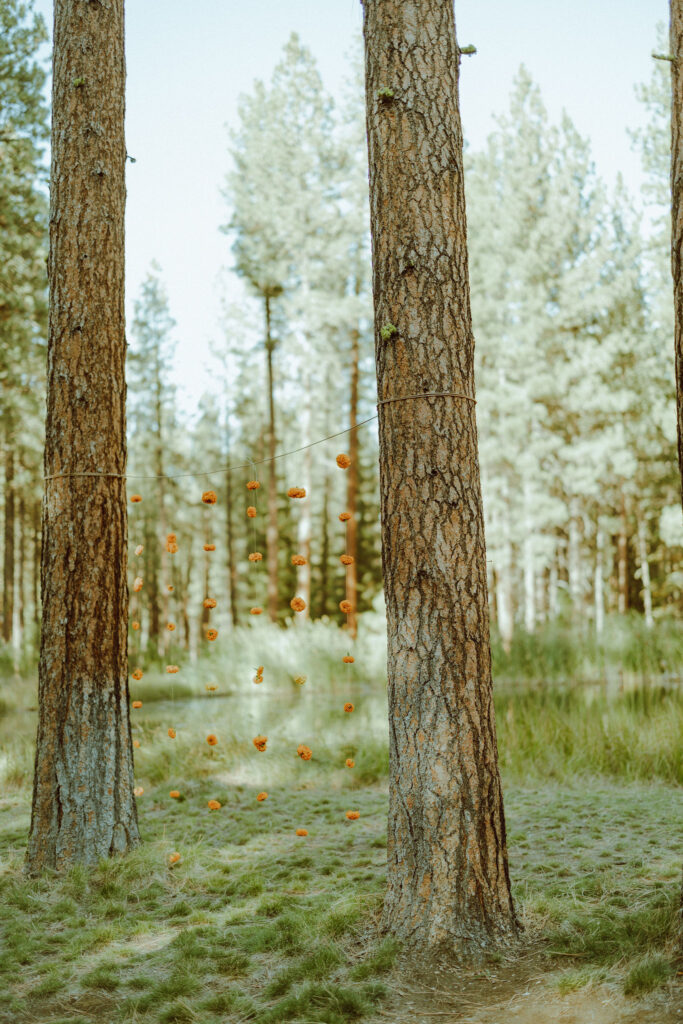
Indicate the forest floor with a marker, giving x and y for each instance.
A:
(255, 924)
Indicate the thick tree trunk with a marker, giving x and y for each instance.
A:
(271, 528)
(676, 45)
(448, 881)
(8, 546)
(83, 804)
(352, 487)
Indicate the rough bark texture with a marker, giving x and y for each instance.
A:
(83, 804)
(676, 45)
(448, 881)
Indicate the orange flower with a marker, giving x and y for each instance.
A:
(352, 815)
(348, 659)
(212, 740)
(302, 832)
(349, 763)
(136, 625)
(175, 793)
(173, 858)
(211, 634)
(298, 560)
(138, 791)
(172, 548)
(171, 538)
(256, 556)
(256, 611)
(137, 703)
(137, 673)
(304, 752)
(343, 461)
(172, 669)
(209, 497)
(296, 492)
(251, 512)
(171, 733)
(209, 602)
(346, 559)
(348, 708)
(170, 626)
(135, 498)
(300, 680)
(346, 606)
(344, 516)
(139, 549)
(211, 687)
(209, 547)
(258, 678)
(136, 743)
(253, 485)
(259, 670)
(261, 797)
(297, 604)
(260, 742)
(137, 585)
(214, 805)
(170, 588)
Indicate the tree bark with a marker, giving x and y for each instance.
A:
(448, 881)
(598, 588)
(271, 528)
(676, 46)
(83, 805)
(8, 548)
(622, 558)
(574, 560)
(645, 571)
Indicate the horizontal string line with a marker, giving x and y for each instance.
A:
(427, 394)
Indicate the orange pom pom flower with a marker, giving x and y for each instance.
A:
(297, 604)
(137, 673)
(209, 497)
(214, 805)
(348, 708)
(350, 763)
(211, 634)
(170, 626)
(139, 549)
(251, 512)
(304, 752)
(137, 585)
(253, 485)
(172, 669)
(171, 733)
(298, 560)
(256, 556)
(136, 743)
(302, 832)
(135, 498)
(175, 793)
(260, 742)
(353, 815)
(137, 703)
(136, 625)
(173, 858)
(343, 461)
(209, 547)
(344, 517)
(261, 797)
(209, 602)
(346, 606)
(256, 611)
(348, 659)
(346, 559)
(212, 740)
(138, 791)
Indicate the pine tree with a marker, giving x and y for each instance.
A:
(448, 881)
(83, 804)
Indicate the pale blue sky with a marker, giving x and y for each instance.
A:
(188, 62)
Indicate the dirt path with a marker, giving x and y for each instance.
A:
(523, 991)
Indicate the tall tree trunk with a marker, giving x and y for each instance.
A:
(598, 589)
(304, 528)
(325, 547)
(645, 571)
(230, 533)
(528, 557)
(448, 881)
(185, 599)
(574, 560)
(271, 528)
(622, 558)
(676, 47)
(35, 581)
(8, 549)
(352, 485)
(83, 805)
(553, 588)
(20, 612)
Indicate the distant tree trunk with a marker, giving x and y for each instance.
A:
(622, 558)
(162, 640)
(352, 486)
(83, 805)
(598, 590)
(230, 533)
(645, 571)
(271, 528)
(553, 588)
(21, 576)
(448, 881)
(325, 547)
(528, 557)
(152, 581)
(206, 613)
(8, 549)
(506, 619)
(574, 560)
(185, 600)
(303, 572)
(676, 46)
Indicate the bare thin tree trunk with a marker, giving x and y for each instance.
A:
(8, 548)
(553, 588)
(272, 528)
(528, 557)
(622, 558)
(645, 571)
(20, 611)
(598, 589)
(35, 581)
(574, 559)
(83, 805)
(448, 881)
(303, 572)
